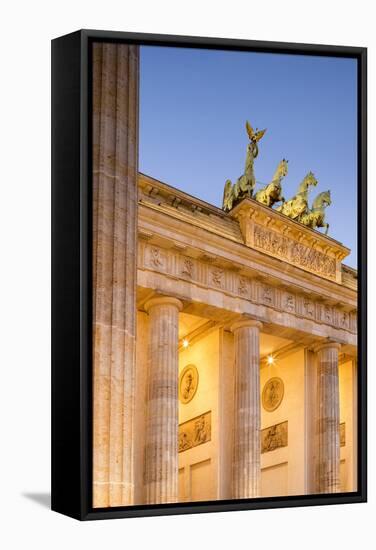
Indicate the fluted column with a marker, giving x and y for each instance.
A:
(161, 447)
(246, 464)
(328, 459)
(115, 169)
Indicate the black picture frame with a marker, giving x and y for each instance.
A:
(71, 275)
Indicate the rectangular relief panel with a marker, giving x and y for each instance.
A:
(274, 437)
(195, 432)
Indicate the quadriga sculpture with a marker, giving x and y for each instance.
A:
(272, 193)
(245, 184)
(298, 205)
(315, 217)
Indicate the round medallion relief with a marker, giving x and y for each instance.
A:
(272, 394)
(188, 382)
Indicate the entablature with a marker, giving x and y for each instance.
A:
(165, 268)
(197, 245)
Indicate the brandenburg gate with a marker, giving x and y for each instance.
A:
(225, 339)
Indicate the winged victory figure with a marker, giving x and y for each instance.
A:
(246, 183)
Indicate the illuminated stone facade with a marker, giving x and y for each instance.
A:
(252, 284)
(243, 298)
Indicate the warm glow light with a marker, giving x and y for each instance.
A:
(185, 343)
(270, 360)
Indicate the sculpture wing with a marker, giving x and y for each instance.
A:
(249, 130)
(227, 202)
(259, 135)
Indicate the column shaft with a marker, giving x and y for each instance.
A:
(327, 470)
(161, 448)
(115, 169)
(246, 464)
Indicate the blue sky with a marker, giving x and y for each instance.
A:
(194, 104)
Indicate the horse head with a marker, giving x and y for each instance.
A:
(283, 167)
(322, 200)
(309, 179)
(281, 171)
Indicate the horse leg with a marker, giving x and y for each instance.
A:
(252, 186)
(326, 225)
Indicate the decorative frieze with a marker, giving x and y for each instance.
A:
(156, 258)
(271, 242)
(274, 437)
(243, 287)
(208, 273)
(278, 236)
(217, 277)
(343, 319)
(187, 267)
(312, 259)
(294, 252)
(267, 295)
(328, 314)
(289, 302)
(308, 308)
(195, 432)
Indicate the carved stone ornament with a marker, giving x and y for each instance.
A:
(188, 383)
(274, 437)
(155, 257)
(217, 276)
(187, 269)
(201, 271)
(243, 286)
(272, 394)
(195, 432)
(294, 252)
(290, 303)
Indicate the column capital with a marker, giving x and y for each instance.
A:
(326, 345)
(163, 301)
(243, 323)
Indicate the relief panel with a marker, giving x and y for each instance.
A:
(274, 437)
(195, 432)
(294, 252)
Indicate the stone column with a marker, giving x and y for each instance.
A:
(115, 171)
(161, 447)
(246, 464)
(328, 452)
